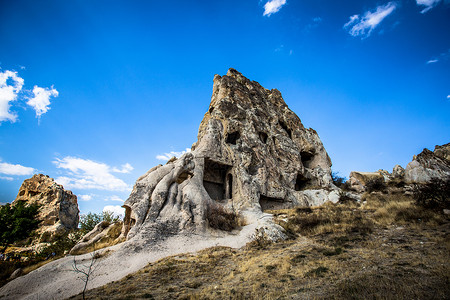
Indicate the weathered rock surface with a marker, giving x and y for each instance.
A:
(253, 153)
(428, 165)
(359, 180)
(103, 235)
(398, 172)
(59, 207)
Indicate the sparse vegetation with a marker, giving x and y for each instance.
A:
(369, 250)
(435, 194)
(89, 220)
(222, 219)
(375, 185)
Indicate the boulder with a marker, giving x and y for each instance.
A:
(253, 153)
(398, 172)
(443, 151)
(103, 235)
(427, 165)
(359, 180)
(58, 207)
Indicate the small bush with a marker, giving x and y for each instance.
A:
(376, 185)
(88, 221)
(219, 218)
(435, 194)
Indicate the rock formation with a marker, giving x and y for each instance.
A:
(59, 208)
(252, 154)
(103, 235)
(424, 167)
(428, 165)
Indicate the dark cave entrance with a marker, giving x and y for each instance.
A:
(268, 203)
(306, 158)
(217, 180)
(301, 182)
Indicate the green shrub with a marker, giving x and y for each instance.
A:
(17, 222)
(376, 185)
(88, 221)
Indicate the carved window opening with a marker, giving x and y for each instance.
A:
(306, 158)
(233, 137)
(286, 128)
(229, 187)
(216, 181)
(263, 137)
(211, 109)
(268, 203)
(301, 182)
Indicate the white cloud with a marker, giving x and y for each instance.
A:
(117, 210)
(88, 174)
(432, 61)
(41, 100)
(448, 96)
(363, 26)
(10, 169)
(429, 4)
(126, 168)
(167, 156)
(85, 197)
(114, 198)
(10, 86)
(273, 6)
(6, 178)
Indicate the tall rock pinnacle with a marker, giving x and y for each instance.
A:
(253, 153)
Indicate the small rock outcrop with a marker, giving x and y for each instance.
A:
(359, 180)
(58, 207)
(252, 154)
(103, 235)
(429, 165)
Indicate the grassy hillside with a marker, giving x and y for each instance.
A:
(387, 247)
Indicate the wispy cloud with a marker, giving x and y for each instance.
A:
(363, 26)
(313, 24)
(6, 178)
(88, 174)
(427, 4)
(10, 86)
(117, 210)
(442, 56)
(167, 156)
(273, 6)
(126, 168)
(18, 170)
(85, 197)
(114, 198)
(40, 102)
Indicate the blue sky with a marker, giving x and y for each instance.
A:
(94, 93)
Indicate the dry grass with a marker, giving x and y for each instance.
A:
(377, 250)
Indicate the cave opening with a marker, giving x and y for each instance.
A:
(301, 182)
(286, 128)
(217, 180)
(263, 137)
(233, 137)
(306, 158)
(268, 203)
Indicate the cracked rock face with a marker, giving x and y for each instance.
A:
(59, 207)
(429, 165)
(252, 154)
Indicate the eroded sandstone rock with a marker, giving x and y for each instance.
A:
(103, 235)
(253, 153)
(59, 207)
(427, 165)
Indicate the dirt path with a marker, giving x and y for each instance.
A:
(57, 280)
